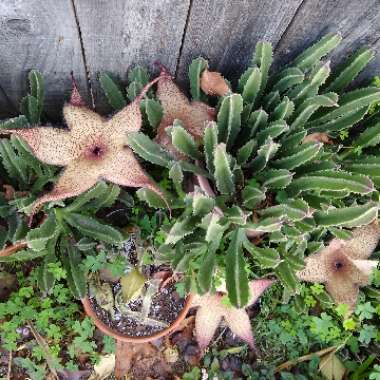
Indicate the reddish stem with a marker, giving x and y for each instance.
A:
(13, 248)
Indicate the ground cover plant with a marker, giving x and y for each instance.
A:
(269, 190)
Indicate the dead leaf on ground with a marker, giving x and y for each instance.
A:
(331, 367)
(104, 368)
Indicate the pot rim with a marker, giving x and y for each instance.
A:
(138, 339)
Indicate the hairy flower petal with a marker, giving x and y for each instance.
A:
(239, 323)
(128, 119)
(75, 179)
(337, 265)
(211, 311)
(314, 270)
(257, 288)
(50, 145)
(363, 242)
(82, 119)
(207, 320)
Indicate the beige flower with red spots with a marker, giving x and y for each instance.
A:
(343, 266)
(193, 115)
(211, 311)
(93, 148)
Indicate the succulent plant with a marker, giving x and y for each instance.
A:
(289, 162)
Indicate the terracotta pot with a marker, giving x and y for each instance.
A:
(138, 339)
(100, 324)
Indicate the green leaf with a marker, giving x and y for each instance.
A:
(273, 130)
(176, 175)
(46, 279)
(331, 180)
(276, 178)
(343, 122)
(366, 165)
(76, 277)
(133, 90)
(210, 140)
(263, 59)
(252, 86)
(349, 102)
(29, 107)
(370, 137)
(299, 156)
(310, 105)
(252, 196)
(24, 255)
(151, 197)
(265, 257)
(89, 226)
(215, 230)
(154, 111)
(353, 67)
(150, 151)
(284, 110)
(245, 152)
(236, 275)
(195, 70)
(223, 175)
(139, 74)
(292, 210)
(271, 100)
(228, 119)
(184, 141)
(315, 52)
(287, 79)
(39, 237)
(183, 227)
(353, 216)
(202, 204)
(264, 154)
(114, 95)
(14, 123)
(257, 120)
(206, 270)
(37, 89)
(287, 276)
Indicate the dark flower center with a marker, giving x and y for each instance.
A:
(97, 151)
(338, 264)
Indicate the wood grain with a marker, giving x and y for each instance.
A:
(117, 35)
(226, 32)
(357, 20)
(40, 35)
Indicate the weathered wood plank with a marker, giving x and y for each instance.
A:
(39, 35)
(117, 35)
(357, 20)
(226, 32)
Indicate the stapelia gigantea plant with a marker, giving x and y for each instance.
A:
(289, 162)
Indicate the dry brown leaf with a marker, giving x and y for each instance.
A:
(212, 83)
(331, 367)
(104, 368)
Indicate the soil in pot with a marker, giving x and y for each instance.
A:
(165, 307)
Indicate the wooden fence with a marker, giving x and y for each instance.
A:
(92, 36)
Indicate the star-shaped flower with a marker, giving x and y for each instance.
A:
(91, 149)
(342, 265)
(211, 312)
(193, 115)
